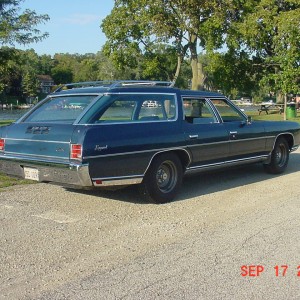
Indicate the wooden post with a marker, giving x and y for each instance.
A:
(285, 105)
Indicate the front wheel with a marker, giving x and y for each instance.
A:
(279, 157)
(163, 178)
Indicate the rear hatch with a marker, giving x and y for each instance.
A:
(45, 133)
(44, 142)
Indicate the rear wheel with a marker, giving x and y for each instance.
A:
(279, 157)
(163, 178)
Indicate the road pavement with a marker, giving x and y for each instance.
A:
(233, 234)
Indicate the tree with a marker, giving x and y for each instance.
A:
(270, 31)
(232, 72)
(65, 66)
(134, 26)
(30, 84)
(16, 27)
(10, 69)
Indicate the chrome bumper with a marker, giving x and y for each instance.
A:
(68, 174)
(294, 148)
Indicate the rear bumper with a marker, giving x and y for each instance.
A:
(68, 174)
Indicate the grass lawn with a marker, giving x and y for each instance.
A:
(271, 117)
(5, 122)
(6, 181)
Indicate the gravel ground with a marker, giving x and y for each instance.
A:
(65, 244)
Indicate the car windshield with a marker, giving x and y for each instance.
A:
(64, 109)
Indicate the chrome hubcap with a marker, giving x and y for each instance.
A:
(166, 176)
(281, 155)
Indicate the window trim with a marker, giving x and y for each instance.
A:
(209, 103)
(232, 105)
(135, 121)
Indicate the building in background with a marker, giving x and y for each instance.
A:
(46, 83)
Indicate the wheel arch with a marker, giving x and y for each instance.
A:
(289, 137)
(182, 154)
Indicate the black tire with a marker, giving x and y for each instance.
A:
(163, 179)
(279, 157)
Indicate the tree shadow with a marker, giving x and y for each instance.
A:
(202, 184)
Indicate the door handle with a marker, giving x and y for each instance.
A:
(233, 134)
(193, 136)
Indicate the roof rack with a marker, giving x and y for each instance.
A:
(68, 86)
(113, 84)
(126, 83)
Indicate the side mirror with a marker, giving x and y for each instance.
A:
(248, 122)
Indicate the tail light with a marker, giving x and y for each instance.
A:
(76, 151)
(2, 144)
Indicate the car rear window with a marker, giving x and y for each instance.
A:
(64, 109)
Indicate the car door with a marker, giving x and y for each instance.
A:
(206, 137)
(246, 139)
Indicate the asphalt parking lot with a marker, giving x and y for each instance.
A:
(234, 234)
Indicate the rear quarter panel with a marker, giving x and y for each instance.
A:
(114, 150)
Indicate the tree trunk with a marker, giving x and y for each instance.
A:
(179, 62)
(197, 67)
(198, 75)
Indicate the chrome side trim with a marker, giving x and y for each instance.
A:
(245, 140)
(123, 180)
(228, 162)
(30, 140)
(170, 149)
(15, 155)
(128, 123)
(138, 93)
(137, 152)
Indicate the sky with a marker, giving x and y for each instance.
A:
(74, 25)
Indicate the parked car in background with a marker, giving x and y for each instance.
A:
(99, 134)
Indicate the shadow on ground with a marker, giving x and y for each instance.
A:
(202, 184)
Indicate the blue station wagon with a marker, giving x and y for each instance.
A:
(99, 135)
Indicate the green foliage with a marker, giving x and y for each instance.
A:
(9, 67)
(270, 29)
(262, 38)
(249, 47)
(134, 27)
(18, 27)
(30, 84)
(5, 122)
(232, 72)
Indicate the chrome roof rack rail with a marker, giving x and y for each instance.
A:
(113, 84)
(128, 83)
(68, 86)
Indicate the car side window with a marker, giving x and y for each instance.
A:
(159, 109)
(136, 107)
(227, 111)
(198, 111)
(119, 111)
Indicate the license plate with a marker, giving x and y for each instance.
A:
(32, 174)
